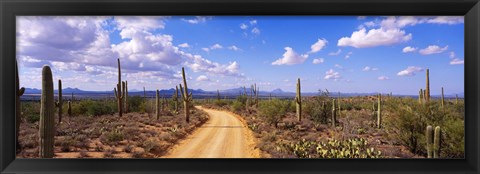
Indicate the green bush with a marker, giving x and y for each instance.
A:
(273, 111)
(319, 107)
(407, 121)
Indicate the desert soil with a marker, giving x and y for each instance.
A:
(224, 135)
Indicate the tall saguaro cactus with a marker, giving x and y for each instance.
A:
(187, 97)
(420, 96)
(334, 114)
(126, 96)
(175, 98)
(69, 109)
(218, 95)
(379, 111)
(427, 88)
(339, 106)
(436, 142)
(18, 110)
(298, 101)
(59, 104)
(443, 101)
(255, 92)
(456, 99)
(47, 118)
(429, 141)
(157, 104)
(119, 94)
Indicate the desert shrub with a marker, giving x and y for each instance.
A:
(134, 103)
(319, 107)
(407, 120)
(31, 111)
(273, 111)
(93, 107)
(112, 136)
(220, 103)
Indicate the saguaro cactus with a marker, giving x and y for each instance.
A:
(187, 97)
(334, 114)
(379, 111)
(436, 142)
(157, 104)
(427, 89)
(420, 96)
(443, 101)
(126, 96)
(298, 101)
(175, 98)
(47, 109)
(456, 99)
(339, 106)
(59, 104)
(18, 109)
(144, 93)
(69, 110)
(429, 135)
(119, 94)
(218, 95)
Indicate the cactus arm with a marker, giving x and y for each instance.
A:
(115, 91)
(21, 91)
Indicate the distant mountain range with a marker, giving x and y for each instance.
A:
(200, 92)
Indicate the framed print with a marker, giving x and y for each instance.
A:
(240, 87)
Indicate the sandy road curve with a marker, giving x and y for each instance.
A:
(222, 136)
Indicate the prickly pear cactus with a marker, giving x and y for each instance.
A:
(47, 109)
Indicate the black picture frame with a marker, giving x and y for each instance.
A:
(11, 8)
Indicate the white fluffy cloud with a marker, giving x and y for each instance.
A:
(383, 78)
(367, 68)
(374, 37)
(197, 19)
(318, 61)
(234, 48)
(410, 71)
(199, 64)
(409, 49)
(256, 31)
(203, 78)
(290, 57)
(216, 46)
(184, 45)
(243, 26)
(454, 60)
(347, 56)
(433, 49)
(319, 45)
(390, 30)
(335, 53)
(331, 74)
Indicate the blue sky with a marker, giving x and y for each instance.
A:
(348, 53)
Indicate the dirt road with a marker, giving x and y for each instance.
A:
(223, 136)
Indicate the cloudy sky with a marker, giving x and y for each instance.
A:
(347, 54)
